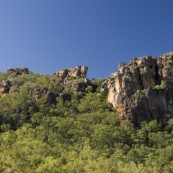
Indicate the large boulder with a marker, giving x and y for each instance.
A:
(143, 89)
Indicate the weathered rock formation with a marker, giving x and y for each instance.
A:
(18, 71)
(76, 71)
(76, 84)
(48, 96)
(74, 79)
(143, 89)
(4, 87)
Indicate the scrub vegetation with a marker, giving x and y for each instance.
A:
(78, 133)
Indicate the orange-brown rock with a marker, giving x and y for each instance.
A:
(143, 89)
(4, 86)
(74, 79)
(76, 71)
(48, 96)
(2, 94)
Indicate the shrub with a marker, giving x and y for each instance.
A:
(162, 86)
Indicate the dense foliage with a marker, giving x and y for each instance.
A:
(79, 134)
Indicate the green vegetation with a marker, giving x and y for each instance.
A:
(162, 86)
(138, 94)
(79, 133)
(169, 67)
(142, 70)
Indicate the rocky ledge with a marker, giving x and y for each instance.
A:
(143, 89)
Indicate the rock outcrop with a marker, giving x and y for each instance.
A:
(48, 96)
(74, 79)
(18, 71)
(143, 89)
(76, 84)
(4, 87)
(76, 71)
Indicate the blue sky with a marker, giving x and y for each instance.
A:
(48, 35)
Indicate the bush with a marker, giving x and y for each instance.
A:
(162, 86)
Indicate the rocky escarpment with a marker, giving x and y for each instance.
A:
(71, 79)
(143, 89)
(74, 79)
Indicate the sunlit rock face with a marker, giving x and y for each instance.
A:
(143, 89)
(76, 71)
(4, 87)
(74, 79)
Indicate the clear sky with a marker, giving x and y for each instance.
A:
(48, 35)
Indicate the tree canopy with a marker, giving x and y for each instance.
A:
(78, 132)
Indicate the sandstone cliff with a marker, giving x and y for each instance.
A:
(143, 89)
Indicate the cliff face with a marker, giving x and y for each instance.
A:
(143, 89)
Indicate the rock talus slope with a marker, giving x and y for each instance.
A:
(143, 89)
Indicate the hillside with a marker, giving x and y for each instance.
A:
(66, 123)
